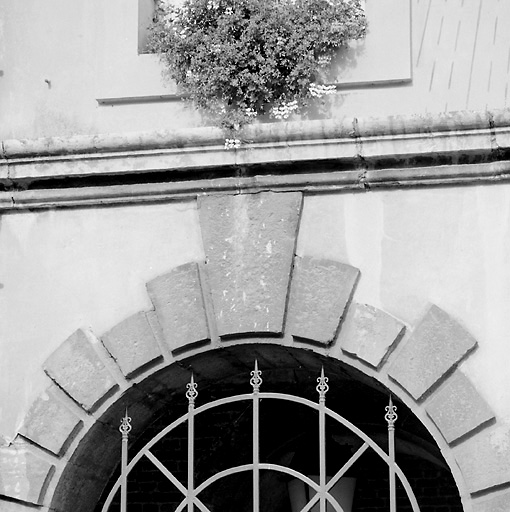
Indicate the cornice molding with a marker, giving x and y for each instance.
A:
(351, 153)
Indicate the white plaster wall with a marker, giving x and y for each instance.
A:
(56, 56)
(448, 246)
(69, 269)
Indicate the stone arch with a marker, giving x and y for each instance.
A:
(251, 288)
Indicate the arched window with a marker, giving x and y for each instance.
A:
(283, 452)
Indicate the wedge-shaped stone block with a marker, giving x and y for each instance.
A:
(23, 475)
(50, 424)
(16, 506)
(499, 503)
(434, 347)
(132, 344)
(179, 304)
(78, 370)
(369, 333)
(484, 459)
(249, 242)
(319, 295)
(457, 408)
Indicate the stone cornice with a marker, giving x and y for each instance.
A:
(453, 148)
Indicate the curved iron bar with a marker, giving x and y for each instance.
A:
(273, 467)
(276, 396)
(163, 433)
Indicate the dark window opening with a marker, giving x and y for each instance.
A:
(145, 16)
(288, 436)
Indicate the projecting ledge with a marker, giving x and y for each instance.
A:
(321, 155)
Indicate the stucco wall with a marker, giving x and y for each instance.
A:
(66, 269)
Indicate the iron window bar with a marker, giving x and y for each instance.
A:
(322, 488)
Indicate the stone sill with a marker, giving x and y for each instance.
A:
(301, 131)
(343, 153)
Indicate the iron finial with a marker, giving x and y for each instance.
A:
(191, 392)
(322, 386)
(256, 379)
(391, 415)
(125, 425)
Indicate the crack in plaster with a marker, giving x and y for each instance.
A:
(361, 161)
(495, 147)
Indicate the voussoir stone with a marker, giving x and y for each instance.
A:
(369, 333)
(434, 347)
(319, 295)
(23, 475)
(16, 506)
(49, 423)
(457, 408)
(132, 344)
(499, 503)
(179, 304)
(78, 370)
(484, 459)
(249, 242)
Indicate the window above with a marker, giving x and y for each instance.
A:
(127, 75)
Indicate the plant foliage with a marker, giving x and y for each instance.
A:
(237, 59)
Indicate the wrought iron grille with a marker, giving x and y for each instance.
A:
(322, 489)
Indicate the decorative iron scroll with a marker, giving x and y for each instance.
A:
(125, 429)
(322, 386)
(191, 393)
(256, 379)
(391, 415)
(391, 418)
(125, 426)
(323, 489)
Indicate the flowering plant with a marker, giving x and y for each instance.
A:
(237, 59)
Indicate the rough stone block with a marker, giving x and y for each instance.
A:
(50, 424)
(484, 459)
(369, 333)
(16, 506)
(434, 347)
(319, 295)
(78, 370)
(249, 242)
(132, 344)
(457, 408)
(179, 304)
(23, 475)
(499, 503)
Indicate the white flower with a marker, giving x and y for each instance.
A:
(232, 143)
(319, 90)
(284, 110)
(324, 60)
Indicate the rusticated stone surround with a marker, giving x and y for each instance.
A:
(251, 287)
